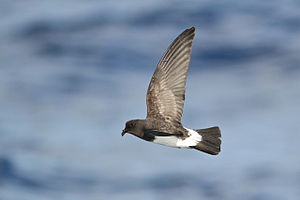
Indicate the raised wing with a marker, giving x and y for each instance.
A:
(166, 91)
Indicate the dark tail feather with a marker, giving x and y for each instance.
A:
(211, 142)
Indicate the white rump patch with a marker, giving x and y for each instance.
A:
(193, 139)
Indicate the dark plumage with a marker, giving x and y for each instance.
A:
(165, 101)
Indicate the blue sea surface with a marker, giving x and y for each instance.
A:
(73, 72)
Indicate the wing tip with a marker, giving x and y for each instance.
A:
(190, 30)
(187, 32)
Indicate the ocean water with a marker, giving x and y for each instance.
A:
(73, 72)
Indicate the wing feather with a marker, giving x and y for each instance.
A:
(166, 91)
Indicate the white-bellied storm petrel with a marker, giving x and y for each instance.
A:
(165, 99)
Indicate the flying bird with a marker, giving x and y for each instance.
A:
(165, 100)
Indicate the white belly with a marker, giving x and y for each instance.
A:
(173, 141)
(170, 141)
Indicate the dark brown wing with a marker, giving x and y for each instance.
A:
(166, 91)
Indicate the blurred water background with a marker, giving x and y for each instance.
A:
(72, 73)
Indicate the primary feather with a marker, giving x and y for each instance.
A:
(166, 91)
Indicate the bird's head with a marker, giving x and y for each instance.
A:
(133, 126)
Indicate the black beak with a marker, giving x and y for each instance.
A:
(123, 132)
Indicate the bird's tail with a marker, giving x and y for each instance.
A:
(211, 142)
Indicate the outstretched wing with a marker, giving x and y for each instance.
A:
(166, 91)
